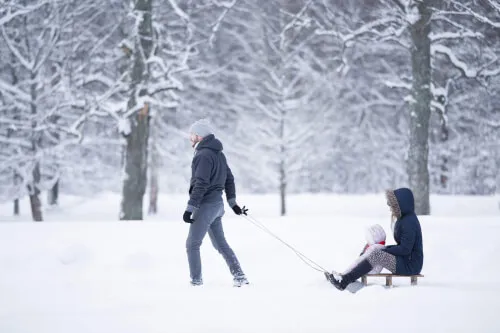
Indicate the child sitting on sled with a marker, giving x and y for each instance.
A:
(375, 239)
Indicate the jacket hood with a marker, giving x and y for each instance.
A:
(210, 142)
(401, 201)
(375, 234)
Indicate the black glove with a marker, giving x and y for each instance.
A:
(187, 217)
(238, 211)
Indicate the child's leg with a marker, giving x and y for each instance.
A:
(376, 268)
(375, 258)
(356, 262)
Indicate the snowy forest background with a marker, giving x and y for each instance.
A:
(343, 96)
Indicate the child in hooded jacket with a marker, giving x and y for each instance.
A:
(375, 239)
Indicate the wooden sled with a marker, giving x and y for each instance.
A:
(389, 276)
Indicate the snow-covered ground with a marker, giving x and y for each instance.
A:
(84, 271)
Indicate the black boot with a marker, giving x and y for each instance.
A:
(361, 269)
(334, 279)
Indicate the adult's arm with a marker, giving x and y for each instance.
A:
(202, 169)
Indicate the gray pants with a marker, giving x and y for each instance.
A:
(208, 219)
(384, 259)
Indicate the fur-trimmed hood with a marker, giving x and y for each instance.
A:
(400, 201)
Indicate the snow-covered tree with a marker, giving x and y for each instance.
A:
(306, 95)
(32, 85)
(271, 92)
(364, 132)
(413, 26)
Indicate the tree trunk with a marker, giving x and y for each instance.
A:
(444, 158)
(36, 208)
(33, 186)
(134, 184)
(17, 182)
(136, 153)
(420, 109)
(54, 194)
(16, 207)
(282, 171)
(441, 109)
(153, 194)
(282, 192)
(153, 178)
(34, 194)
(10, 132)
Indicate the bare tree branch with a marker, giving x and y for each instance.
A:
(368, 28)
(400, 5)
(215, 28)
(467, 11)
(8, 16)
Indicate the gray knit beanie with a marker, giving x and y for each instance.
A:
(201, 127)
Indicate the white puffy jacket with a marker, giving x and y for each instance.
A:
(375, 239)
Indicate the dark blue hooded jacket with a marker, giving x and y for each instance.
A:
(408, 235)
(210, 175)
